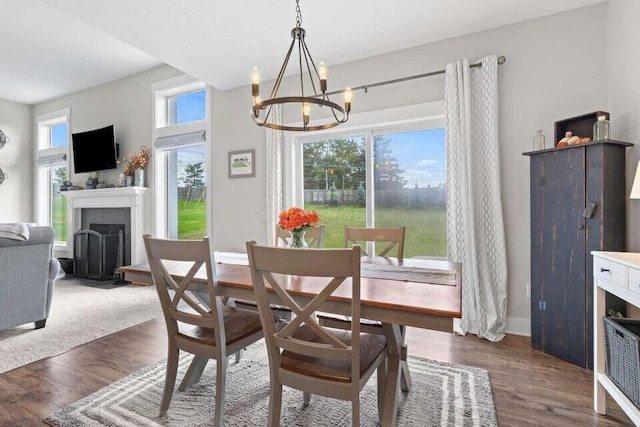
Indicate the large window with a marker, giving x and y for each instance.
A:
(53, 141)
(186, 201)
(379, 178)
(181, 158)
(334, 177)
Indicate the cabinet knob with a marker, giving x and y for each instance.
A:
(602, 270)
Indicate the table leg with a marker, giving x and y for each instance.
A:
(394, 351)
(194, 372)
(405, 376)
(599, 394)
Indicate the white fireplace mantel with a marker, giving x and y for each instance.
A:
(134, 198)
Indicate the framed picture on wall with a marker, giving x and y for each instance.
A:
(242, 164)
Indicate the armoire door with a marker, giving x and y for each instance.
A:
(563, 255)
(537, 249)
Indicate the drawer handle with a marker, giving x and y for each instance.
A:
(603, 270)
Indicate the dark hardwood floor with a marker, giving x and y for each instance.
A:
(530, 388)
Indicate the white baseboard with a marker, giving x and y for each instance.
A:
(518, 326)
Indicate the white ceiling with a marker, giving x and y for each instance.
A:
(45, 53)
(220, 41)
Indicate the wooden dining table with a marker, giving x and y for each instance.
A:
(412, 292)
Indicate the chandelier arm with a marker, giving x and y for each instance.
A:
(300, 66)
(307, 57)
(266, 117)
(276, 85)
(345, 115)
(258, 121)
(265, 121)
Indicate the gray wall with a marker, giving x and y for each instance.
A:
(553, 71)
(124, 103)
(623, 78)
(17, 161)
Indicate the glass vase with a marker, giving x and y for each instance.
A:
(601, 129)
(297, 239)
(538, 141)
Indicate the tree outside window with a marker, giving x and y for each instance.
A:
(409, 186)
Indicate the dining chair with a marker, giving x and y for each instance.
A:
(395, 239)
(303, 354)
(393, 236)
(315, 239)
(206, 332)
(313, 236)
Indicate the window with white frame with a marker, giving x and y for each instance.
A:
(52, 171)
(181, 166)
(180, 104)
(377, 176)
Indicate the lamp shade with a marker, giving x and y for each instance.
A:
(635, 189)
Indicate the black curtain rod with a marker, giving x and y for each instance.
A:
(501, 60)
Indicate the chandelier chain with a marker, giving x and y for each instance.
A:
(298, 14)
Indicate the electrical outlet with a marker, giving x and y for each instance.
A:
(528, 286)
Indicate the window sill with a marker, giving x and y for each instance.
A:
(61, 247)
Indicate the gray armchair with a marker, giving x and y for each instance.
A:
(27, 277)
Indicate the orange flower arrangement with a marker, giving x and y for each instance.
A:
(297, 219)
(139, 160)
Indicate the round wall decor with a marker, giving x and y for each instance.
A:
(3, 139)
(3, 176)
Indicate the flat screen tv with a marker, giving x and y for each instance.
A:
(94, 150)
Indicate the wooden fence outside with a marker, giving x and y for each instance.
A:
(413, 198)
(192, 193)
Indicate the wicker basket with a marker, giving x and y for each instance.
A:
(622, 351)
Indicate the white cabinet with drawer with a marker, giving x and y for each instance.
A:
(617, 273)
(609, 270)
(633, 281)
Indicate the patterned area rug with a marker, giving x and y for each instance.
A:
(442, 395)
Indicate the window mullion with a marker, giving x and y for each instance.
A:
(51, 207)
(50, 194)
(370, 190)
(171, 164)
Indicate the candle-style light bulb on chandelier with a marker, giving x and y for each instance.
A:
(316, 76)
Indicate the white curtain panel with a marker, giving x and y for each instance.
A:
(274, 174)
(475, 226)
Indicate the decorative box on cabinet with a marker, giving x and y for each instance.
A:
(578, 202)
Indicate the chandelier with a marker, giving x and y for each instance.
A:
(316, 79)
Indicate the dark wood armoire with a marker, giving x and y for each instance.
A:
(578, 200)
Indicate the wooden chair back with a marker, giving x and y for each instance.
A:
(182, 305)
(314, 237)
(394, 237)
(334, 265)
